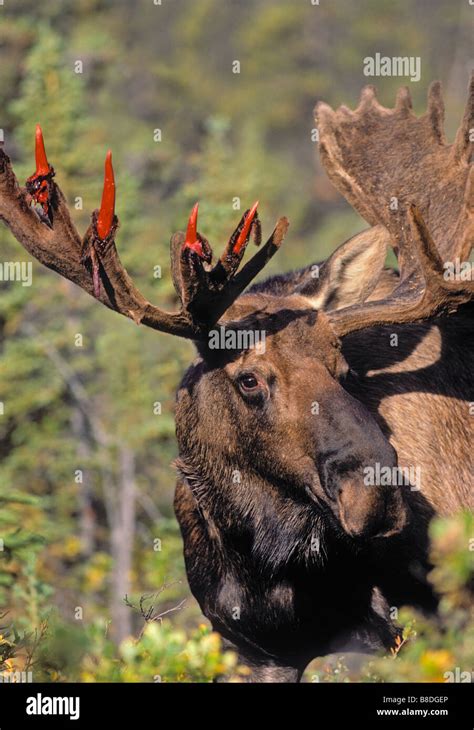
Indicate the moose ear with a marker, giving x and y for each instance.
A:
(351, 273)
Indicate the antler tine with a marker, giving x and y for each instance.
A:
(403, 101)
(368, 99)
(436, 111)
(94, 264)
(258, 261)
(463, 143)
(413, 300)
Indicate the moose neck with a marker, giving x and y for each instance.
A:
(418, 393)
(275, 526)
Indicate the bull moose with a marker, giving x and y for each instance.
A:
(302, 520)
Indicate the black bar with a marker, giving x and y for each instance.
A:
(322, 705)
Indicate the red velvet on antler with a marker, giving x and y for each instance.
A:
(192, 240)
(244, 233)
(107, 206)
(42, 164)
(93, 263)
(38, 185)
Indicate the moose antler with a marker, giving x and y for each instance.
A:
(424, 294)
(379, 157)
(397, 170)
(93, 263)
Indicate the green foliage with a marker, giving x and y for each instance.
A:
(162, 654)
(19, 545)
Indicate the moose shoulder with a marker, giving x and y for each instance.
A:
(311, 459)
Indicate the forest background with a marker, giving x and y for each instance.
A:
(92, 580)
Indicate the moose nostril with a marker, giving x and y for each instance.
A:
(335, 466)
(369, 512)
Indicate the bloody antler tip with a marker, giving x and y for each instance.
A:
(192, 241)
(108, 167)
(107, 206)
(191, 231)
(243, 235)
(192, 224)
(42, 164)
(109, 176)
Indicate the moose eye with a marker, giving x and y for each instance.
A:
(253, 387)
(248, 382)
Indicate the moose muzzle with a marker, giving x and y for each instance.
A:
(353, 453)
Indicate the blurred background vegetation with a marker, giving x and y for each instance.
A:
(86, 423)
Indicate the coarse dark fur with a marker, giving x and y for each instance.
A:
(269, 559)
